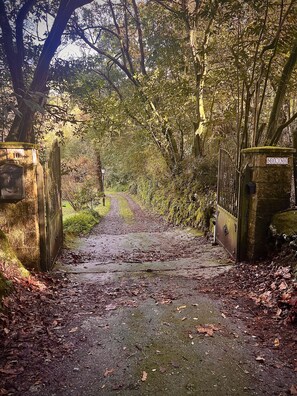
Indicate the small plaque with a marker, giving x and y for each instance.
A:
(11, 182)
(277, 160)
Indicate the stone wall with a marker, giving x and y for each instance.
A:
(271, 172)
(19, 218)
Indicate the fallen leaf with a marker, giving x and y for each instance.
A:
(283, 286)
(278, 312)
(260, 359)
(110, 307)
(73, 330)
(293, 390)
(108, 372)
(208, 329)
(144, 376)
(166, 301)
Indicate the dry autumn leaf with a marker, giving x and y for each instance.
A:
(108, 372)
(144, 376)
(283, 286)
(260, 359)
(207, 329)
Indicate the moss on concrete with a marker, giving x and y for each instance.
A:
(285, 222)
(9, 258)
(18, 145)
(268, 149)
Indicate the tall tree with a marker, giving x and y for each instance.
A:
(31, 33)
(116, 33)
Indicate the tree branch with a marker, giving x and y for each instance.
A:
(108, 56)
(140, 38)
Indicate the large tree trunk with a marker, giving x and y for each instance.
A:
(274, 128)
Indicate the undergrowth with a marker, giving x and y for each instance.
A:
(188, 199)
(81, 223)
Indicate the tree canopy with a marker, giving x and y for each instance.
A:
(179, 78)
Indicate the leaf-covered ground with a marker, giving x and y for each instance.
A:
(41, 320)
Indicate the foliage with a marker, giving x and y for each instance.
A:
(31, 32)
(8, 259)
(81, 223)
(80, 179)
(188, 200)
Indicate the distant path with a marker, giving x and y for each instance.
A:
(143, 221)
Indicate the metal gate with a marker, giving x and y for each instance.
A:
(227, 225)
(50, 208)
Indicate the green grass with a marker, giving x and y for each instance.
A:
(67, 210)
(82, 222)
(125, 210)
(103, 210)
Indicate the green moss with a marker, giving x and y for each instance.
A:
(268, 149)
(18, 145)
(5, 286)
(285, 222)
(9, 258)
(182, 202)
(103, 210)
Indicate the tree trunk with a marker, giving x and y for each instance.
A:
(22, 126)
(99, 173)
(273, 131)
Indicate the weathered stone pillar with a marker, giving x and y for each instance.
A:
(19, 201)
(268, 192)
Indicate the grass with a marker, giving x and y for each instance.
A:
(103, 210)
(67, 210)
(82, 222)
(125, 210)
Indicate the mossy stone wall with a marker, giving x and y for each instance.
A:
(273, 190)
(20, 220)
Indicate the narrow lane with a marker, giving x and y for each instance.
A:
(140, 326)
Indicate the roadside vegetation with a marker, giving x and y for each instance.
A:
(76, 223)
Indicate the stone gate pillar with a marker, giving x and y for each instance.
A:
(19, 202)
(267, 192)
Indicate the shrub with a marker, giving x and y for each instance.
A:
(81, 223)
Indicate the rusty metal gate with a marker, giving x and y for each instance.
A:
(227, 225)
(50, 208)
